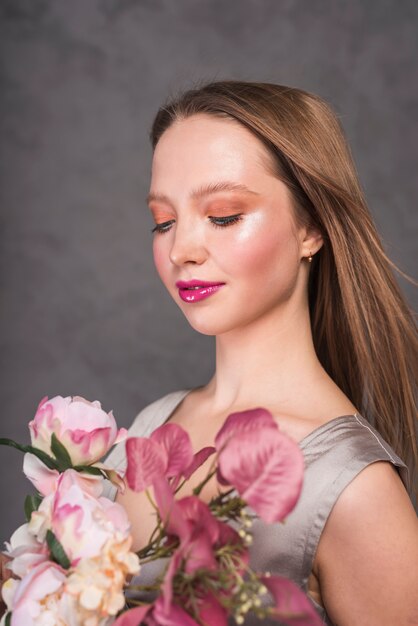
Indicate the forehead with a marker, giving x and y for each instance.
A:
(222, 146)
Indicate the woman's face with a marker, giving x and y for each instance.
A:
(223, 218)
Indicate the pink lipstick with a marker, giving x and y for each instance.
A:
(196, 290)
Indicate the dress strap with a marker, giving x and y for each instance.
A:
(334, 460)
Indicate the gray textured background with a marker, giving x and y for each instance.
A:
(82, 311)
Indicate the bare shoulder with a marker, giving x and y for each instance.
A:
(367, 558)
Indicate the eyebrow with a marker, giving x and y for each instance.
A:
(205, 190)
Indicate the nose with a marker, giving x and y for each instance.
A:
(188, 245)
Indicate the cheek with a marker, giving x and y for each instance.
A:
(261, 248)
(161, 259)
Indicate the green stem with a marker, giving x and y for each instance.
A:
(154, 506)
(198, 489)
(43, 456)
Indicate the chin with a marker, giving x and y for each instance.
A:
(213, 325)
(206, 328)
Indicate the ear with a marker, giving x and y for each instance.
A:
(312, 241)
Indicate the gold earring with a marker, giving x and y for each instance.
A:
(310, 257)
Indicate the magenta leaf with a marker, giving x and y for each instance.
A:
(266, 468)
(243, 421)
(229, 536)
(177, 445)
(147, 462)
(174, 616)
(169, 510)
(292, 606)
(164, 496)
(212, 613)
(167, 587)
(198, 515)
(198, 552)
(198, 459)
(133, 617)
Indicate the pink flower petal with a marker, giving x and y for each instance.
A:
(121, 435)
(133, 617)
(293, 607)
(87, 446)
(89, 483)
(82, 426)
(82, 400)
(8, 591)
(114, 477)
(42, 580)
(21, 537)
(266, 468)
(243, 421)
(24, 562)
(177, 445)
(44, 479)
(25, 551)
(87, 416)
(116, 514)
(80, 521)
(147, 462)
(43, 401)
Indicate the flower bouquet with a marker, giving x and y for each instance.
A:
(72, 560)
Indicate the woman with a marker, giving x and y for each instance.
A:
(263, 239)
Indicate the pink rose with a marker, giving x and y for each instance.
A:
(25, 551)
(36, 596)
(86, 431)
(80, 521)
(46, 480)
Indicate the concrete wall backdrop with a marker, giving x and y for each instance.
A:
(82, 310)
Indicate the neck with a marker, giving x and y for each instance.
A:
(272, 361)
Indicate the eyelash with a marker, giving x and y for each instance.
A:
(228, 220)
(163, 227)
(217, 222)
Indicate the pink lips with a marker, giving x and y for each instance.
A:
(196, 290)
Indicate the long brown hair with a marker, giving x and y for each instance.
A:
(363, 331)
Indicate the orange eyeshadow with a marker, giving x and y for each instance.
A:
(161, 216)
(224, 211)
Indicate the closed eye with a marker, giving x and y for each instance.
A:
(218, 222)
(226, 220)
(163, 227)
